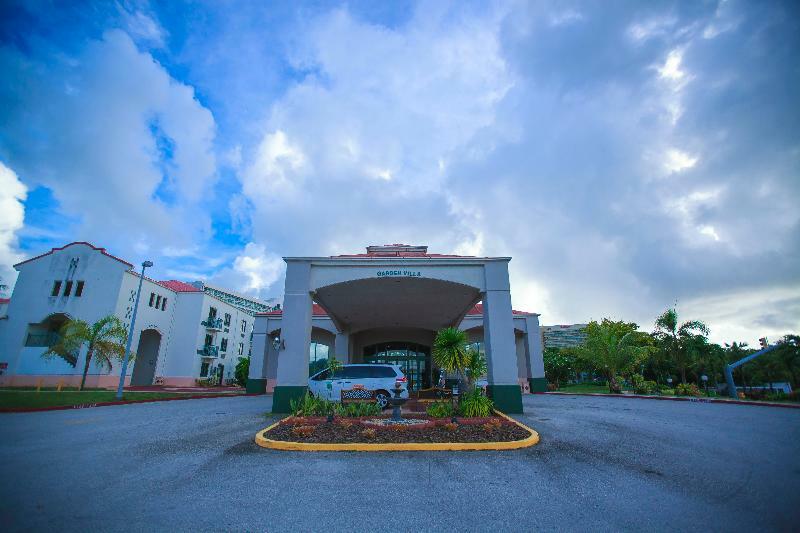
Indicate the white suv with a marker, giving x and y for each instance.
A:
(380, 378)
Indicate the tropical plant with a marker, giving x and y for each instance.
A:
(452, 354)
(105, 339)
(559, 364)
(687, 389)
(310, 405)
(788, 355)
(475, 403)
(643, 386)
(242, 371)
(680, 341)
(440, 410)
(357, 409)
(614, 347)
(334, 365)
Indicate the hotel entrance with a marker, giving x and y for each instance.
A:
(414, 360)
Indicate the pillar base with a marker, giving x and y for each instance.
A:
(256, 386)
(506, 398)
(537, 384)
(284, 394)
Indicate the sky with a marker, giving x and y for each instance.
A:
(629, 156)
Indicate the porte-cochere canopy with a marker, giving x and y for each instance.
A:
(395, 290)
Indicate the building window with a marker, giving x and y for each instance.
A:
(158, 301)
(164, 304)
(244, 327)
(212, 312)
(209, 339)
(241, 348)
(56, 288)
(152, 299)
(68, 288)
(223, 345)
(79, 290)
(227, 319)
(203, 369)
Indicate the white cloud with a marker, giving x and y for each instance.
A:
(645, 30)
(710, 231)
(377, 116)
(128, 149)
(141, 26)
(678, 161)
(277, 166)
(747, 314)
(671, 69)
(565, 18)
(12, 214)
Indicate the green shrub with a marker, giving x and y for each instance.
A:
(354, 410)
(309, 405)
(242, 371)
(687, 389)
(440, 410)
(475, 404)
(642, 386)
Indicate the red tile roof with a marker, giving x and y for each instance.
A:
(4, 300)
(179, 286)
(90, 245)
(317, 310)
(399, 254)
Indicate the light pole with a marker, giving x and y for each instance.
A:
(130, 333)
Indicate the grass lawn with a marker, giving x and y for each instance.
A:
(26, 398)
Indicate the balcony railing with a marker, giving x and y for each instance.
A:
(212, 323)
(208, 351)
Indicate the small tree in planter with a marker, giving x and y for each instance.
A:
(452, 353)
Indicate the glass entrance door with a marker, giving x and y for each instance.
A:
(414, 360)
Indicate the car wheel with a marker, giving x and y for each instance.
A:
(382, 399)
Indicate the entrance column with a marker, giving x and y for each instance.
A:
(256, 379)
(498, 328)
(292, 378)
(533, 351)
(341, 346)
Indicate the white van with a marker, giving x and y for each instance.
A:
(377, 377)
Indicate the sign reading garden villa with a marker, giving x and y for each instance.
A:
(402, 273)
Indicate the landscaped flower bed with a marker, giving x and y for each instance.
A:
(360, 430)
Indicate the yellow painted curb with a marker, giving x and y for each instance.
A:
(533, 439)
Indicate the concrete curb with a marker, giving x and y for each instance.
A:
(675, 399)
(124, 402)
(531, 440)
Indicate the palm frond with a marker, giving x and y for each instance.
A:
(72, 335)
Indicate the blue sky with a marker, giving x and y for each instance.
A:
(627, 155)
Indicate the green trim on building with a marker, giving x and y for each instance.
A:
(256, 386)
(538, 384)
(506, 398)
(284, 394)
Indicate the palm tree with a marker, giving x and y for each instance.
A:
(613, 348)
(679, 341)
(451, 353)
(105, 338)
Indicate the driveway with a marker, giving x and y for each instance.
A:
(603, 463)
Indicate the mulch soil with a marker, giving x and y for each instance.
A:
(351, 430)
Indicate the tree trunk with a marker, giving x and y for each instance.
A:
(613, 386)
(86, 367)
(683, 374)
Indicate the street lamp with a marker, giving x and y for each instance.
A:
(705, 382)
(146, 264)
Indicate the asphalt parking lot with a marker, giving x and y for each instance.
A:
(602, 464)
